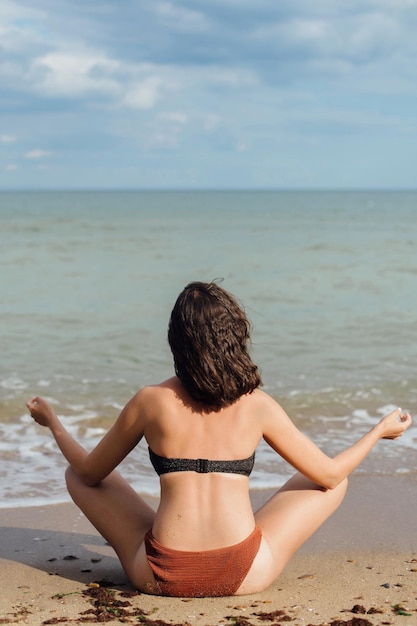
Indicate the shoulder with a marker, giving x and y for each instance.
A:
(267, 409)
(263, 400)
(154, 396)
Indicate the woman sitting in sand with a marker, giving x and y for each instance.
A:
(202, 427)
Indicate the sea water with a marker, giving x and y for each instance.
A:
(88, 280)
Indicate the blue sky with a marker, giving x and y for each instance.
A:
(208, 94)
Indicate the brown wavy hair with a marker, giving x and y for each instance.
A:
(209, 335)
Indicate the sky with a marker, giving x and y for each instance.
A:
(208, 94)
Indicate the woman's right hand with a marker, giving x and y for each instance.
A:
(394, 424)
(41, 411)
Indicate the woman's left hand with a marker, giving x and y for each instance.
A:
(394, 424)
(41, 411)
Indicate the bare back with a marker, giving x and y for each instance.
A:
(201, 511)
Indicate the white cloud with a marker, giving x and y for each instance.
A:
(211, 121)
(75, 73)
(373, 31)
(167, 129)
(163, 139)
(363, 37)
(10, 10)
(37, 154)
(21, 29)
(314, 30)
(182, 18)
(11, 167)
(89, 73)
(230, 77)
(7, 139)
(144, 94)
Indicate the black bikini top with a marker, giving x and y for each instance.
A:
(164, 465)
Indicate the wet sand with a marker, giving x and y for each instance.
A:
(360, 568)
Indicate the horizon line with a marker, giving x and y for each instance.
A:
(204, 189)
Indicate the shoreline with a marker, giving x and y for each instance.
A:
(364, 556)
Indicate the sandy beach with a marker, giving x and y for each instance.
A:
(359, 569)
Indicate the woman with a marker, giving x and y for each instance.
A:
(202, 427)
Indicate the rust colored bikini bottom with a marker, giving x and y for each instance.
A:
(201, 574)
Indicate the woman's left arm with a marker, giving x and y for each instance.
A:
(93, 466)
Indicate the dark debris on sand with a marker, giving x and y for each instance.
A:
(108, 604)
(278, 618)
(354, 621)
(20, 613)
(274, 616)
(107, 607)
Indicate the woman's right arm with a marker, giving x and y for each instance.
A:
(93, 466)
(307, 458)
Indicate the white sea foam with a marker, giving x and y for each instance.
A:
(13, 383)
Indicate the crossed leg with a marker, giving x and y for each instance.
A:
(287, 520)
(122, 517)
